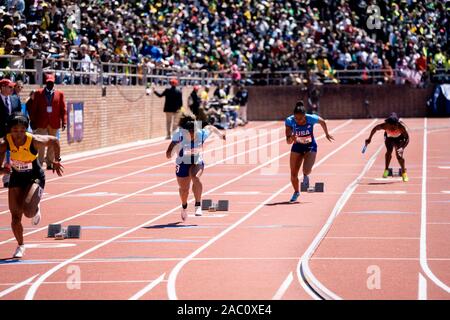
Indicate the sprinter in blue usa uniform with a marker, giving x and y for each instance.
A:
(299, 133)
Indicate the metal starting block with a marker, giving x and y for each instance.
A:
(74, 232)
(221, 205)
(206, 203)
(318, 187)
(58, 232)
(53, 229)
(392, 173)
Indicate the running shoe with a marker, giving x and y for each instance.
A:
(306, 181)
(295, 196)
(405, 177)
(184, 214)
(19, 251)
(198, 211)
(385, 173)
(37, 218)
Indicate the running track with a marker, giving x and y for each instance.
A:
(364, 238)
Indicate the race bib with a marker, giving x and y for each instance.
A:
(21, 166)
(304, 139)
(49, 109)
(191, 151)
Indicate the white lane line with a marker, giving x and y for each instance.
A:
(380, 212)
(32, 291)
(144, 259)
(446, 191)
(164, 193)
(444, 167)
(209, 259)
(423, 216)
(422, 292)
(386, 180)
(304, 274)
(17, 286)
(171, 290)
(148, 288)
(284, 286)
(134, 193)
(106, 151)
(110, 165)
(94, 194)
(49, 245)
(127, 175)
(209, 215)
(101, 167)
(376, 238)
(376, 258)
(386, 192)
(241, 192)
(89, 282)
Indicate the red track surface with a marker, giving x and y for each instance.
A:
(134, 244)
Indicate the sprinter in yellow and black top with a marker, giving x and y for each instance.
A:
(27, 179)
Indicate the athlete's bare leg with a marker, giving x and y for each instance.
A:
(296, 160)
(16, 198)
(310, 159)
(184, 184)
(197, 187)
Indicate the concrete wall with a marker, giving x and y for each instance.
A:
(339, 101)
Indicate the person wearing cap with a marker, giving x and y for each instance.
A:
(49, 114)
(8, 105)
(8, 31)
(172, 105)
(23, 42)
(27, 177)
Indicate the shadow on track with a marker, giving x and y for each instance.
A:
(284, 203)
(171, 225)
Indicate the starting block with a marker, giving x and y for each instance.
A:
(318, 187)
(73, 232)
(53, 229)
(392, 173)
(58, 232)
(221, 205)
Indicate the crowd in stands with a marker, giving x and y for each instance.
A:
(233, 36)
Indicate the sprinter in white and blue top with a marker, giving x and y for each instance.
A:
(299, 133)
(190, 137)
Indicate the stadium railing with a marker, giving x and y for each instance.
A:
(69, 71)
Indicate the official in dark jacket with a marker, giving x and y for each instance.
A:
(8, 105)
(173, 103)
